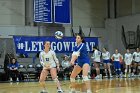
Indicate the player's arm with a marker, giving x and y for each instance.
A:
(108, 55)
(134, 56)
(74, 57)
(112, 57)
(55, 59)
(41, 59)
(131, 58)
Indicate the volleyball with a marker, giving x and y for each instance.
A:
(58, 35)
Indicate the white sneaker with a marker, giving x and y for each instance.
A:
(132, 74)
(97, 77)
(72, 90)
(59, 91)
(44, 91)
(11, 79)
(125, 75)
(111, 76)
(106, 76)
(17, 80)
(89, 91)
(129, 75)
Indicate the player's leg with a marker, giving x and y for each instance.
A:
(96, 64)
(119, 68)
(105, 68)
(134, 68)
(85, 77)
(53, 72)
(42, 79)
(129, 74)
(77, 69)
(116, 70)
(109, 69)
(126, 68)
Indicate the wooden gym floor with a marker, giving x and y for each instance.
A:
(98, 86)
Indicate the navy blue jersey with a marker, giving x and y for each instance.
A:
(12, 66)
(83, 57)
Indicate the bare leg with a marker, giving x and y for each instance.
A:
(42, 79)
(77, 69)
(85, 77)
(53, 72)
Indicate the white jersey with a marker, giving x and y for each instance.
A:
(106, 55)
(116, 57)
(96, 56)
(48, 58)
(136, 56)
(128, 58)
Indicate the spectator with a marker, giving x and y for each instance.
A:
(66, 64)
(13, 66)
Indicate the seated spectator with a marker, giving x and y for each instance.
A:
(13, 67)
(66, 65)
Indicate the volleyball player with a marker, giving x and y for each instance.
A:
(80, 54)
(128, 61)
(97, 60)
(106, 61)
(50, 63)
(136, 58)
(117, 59)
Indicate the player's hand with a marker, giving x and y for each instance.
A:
(72, 63)
(58, 69)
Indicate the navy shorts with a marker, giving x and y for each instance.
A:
(82, 63)
(106, 61)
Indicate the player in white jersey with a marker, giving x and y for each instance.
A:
(136, 58)
(117, 59)
(106, 61)
(97, 60)
(128, 61)
(50, 63)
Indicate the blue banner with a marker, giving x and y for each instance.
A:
(34, 44)
(62, 11)
(43, 11)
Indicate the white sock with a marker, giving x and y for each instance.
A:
(89, 91)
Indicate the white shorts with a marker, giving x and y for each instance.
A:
(128, 62)
(52, 65)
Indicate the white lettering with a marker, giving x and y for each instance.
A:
(34, 48)
(53, 46)
(66, 46)
(59, 46)
(87, 45)
(40, 44)
(26, 46)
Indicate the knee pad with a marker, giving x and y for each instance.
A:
(72, 79)
(56, 80)
(85, 78)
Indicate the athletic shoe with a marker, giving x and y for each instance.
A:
(97, 77)
(89, 91)
(11, 79)
(59, 91)
(111, 76)
(106, 76)
(43, 91)
(17, 80)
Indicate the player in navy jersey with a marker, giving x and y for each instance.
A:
(81, 55)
